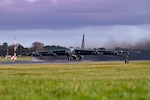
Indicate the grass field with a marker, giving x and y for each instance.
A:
(81, 81)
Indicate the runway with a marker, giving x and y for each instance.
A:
(54, 61)
(43, 62)
(51, 60)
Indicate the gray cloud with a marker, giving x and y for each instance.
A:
(104, 22)
(95, 36)
(60, 14)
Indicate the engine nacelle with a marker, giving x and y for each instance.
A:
(115, 53)
(95, 53)
(80, 57)
(52, 54)
(35, 54)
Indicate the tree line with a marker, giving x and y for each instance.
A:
(6, 49)
(36, 46)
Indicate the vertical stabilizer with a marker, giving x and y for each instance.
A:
(82, 45)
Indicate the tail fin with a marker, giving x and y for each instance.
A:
(82, 46)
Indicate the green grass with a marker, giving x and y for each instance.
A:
(81, 81)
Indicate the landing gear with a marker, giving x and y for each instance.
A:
(75, 58)
(69, 58)
(127, 59)
(72, 57)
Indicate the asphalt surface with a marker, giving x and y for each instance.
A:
(42, 62)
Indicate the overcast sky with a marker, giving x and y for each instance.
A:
(62, 22)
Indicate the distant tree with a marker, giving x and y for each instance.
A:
(21, 49)
(3, 49)
(5, 44)
(11, 50)
(37, 46)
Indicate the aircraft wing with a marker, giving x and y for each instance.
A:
(86, 52)
(30, 54)
(77, 54)
(130, 52)
(53, 52)
(116, 52)
(46, 53)
(69, 52)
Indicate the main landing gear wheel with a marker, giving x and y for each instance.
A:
(127, 59)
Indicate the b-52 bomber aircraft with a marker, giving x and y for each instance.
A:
(78, 54)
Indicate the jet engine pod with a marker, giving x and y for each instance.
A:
(95, 53)
(115, 53)
(80, 57)
(35, 54)
(52, 54)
